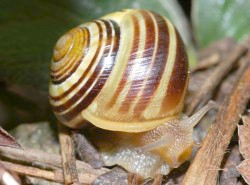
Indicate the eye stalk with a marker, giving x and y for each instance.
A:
(173, 140)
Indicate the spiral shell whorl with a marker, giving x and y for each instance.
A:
(126, 72)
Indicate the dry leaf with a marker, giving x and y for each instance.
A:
(244, 169)
(7, 140)
(244, 137)
(244, 142)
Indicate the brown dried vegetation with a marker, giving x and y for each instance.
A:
(222, 74)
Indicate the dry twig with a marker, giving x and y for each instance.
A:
(230, 175)
(208, 159)
(68, 156)
(55, 176)
(213, 54)
(87, 151)
(158, 179)
(41, 159)
(208, 62)
(134, 179)
(207, 90)
(8, 178)
(115, 176)
(34, 172)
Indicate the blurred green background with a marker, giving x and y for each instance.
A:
(30, 28)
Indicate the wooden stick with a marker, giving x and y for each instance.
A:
(8, 178)
(86, 151)
(54, 176)
(68, 156)
(206, 91)
(206, 164)
(134, 179)
(34, 172)
(115, 176)
(220, 46)
(40, 158)
(208, 62)
(158, 179)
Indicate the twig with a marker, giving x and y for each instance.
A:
(86, 151)
(115, 176)
(206, 91)
(230, 175)
(213, 54)
(7, 178)
(34, 172)
(54, 176)
(204, 169)
(208, 62)
(68, 156)
(40, 158)
(134, 179)
(158, 179)
(228, 83)
(221, 46)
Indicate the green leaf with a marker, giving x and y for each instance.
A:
(28, 32)
(30, 28)
(216, 19)
(167, 8)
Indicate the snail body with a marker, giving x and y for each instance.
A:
(126, 72)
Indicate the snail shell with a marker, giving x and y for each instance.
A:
(127, 71)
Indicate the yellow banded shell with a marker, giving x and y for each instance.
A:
(127, 71)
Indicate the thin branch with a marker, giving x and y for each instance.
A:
(41, 159)
(8, 178)
(205, 92)
(68, 156)
(158, 179)
(34, 172)
(216, 142)
(213, 54)
(207, 62)
(54, 176)
(115, 176)
(134, 179)
(86, 151)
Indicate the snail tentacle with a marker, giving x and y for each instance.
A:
(194, 119)
(174, 138)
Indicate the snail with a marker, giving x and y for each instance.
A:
(127, 73)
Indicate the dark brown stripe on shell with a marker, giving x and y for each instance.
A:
(106, 62)
(57, 98)
(145, 63)
(159, 65)
(85, 87)
(178, 78)
(130, 62)
(66, 71)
